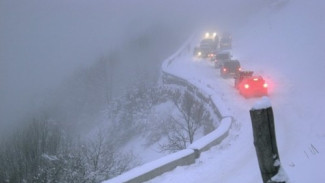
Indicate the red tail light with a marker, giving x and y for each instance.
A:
(246, 86)
(239, 69)
(265, 85)
(224, 69)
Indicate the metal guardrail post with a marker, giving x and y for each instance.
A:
(265, 143)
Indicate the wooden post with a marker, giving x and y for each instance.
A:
(265, 142)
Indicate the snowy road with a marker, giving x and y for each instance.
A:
(235, 159)
(235, 154)
(287, 48)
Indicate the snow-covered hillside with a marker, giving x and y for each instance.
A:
(287, 48)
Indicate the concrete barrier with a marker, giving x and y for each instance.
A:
(213, 138)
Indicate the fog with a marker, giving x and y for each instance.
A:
(43, 43)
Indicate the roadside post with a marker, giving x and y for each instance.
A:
(265, 142)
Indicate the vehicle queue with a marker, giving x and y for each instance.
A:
(217, 50)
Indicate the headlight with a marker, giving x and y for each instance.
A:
(207, 35)
(214, 34)
(199, 53)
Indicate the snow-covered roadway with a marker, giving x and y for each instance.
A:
(287, 49)
(235, 153)
(235, 159)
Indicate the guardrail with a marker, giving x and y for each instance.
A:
(187, 156)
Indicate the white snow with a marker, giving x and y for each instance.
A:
(139, 145)
(263, 103)
(201, 144)
(277, 162)
(281, 176)
(287, 48)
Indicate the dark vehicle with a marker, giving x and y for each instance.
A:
(208, 48)
(226, 41)
(221, 57)
(252, 86)
(230, 68)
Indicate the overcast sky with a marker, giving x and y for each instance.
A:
(44, 41)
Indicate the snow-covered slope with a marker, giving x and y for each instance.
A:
(287, 47)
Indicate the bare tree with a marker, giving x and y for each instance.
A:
(182, 129)
(192, 112)
(176, 136)
(103, 160)
(41, 152)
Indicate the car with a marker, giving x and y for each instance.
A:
(221, 57)
(241, 75)
(251, 86)
(230, 68)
